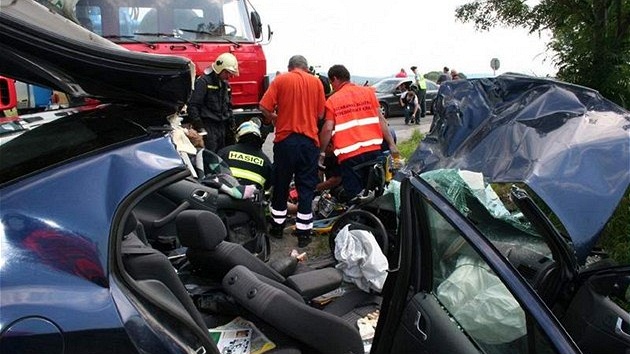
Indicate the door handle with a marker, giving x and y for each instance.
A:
(423, 335)
(200, 195)
(619, 330)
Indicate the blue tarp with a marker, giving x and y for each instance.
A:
(570, 145)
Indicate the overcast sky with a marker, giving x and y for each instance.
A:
(377, 38)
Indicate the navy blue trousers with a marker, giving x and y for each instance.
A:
(295, 158)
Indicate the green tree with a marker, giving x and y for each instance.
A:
(590, 38)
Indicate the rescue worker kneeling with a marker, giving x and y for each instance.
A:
(248, 163)
(353, 113)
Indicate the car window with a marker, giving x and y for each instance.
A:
(475, 297)
(385, 86)
(431, 85)
(501, 223)
(64, 139)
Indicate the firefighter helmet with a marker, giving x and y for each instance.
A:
(249, 127)
(225, 61)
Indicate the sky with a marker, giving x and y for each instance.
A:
(378, 38)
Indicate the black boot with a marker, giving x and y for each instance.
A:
(304, 237)
(276, 230)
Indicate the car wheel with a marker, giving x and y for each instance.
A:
(384, 110)
(432, 109)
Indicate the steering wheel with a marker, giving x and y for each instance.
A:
(363, 220)
(230, 30)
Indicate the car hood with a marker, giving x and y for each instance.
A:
(76, 61)
(565, 142)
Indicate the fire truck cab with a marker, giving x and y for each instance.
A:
(197, 29)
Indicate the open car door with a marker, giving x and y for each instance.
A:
(595, 317)
(454, 291)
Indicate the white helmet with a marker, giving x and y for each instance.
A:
(225, 61)
(248, 127)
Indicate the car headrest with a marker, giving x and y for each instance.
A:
(200, 229)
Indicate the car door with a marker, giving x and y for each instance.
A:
(598, 314)
(455, 293)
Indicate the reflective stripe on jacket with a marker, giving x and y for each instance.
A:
(357, 129)
(240, 173)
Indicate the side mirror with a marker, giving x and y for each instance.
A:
(269, 33)
(8, 96)
(256, 24)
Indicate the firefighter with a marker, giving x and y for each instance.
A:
(328, 90)
(248, 163)
(210, 105)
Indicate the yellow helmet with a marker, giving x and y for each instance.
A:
(225, 61)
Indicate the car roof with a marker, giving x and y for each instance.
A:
(565, 142)
(399, 80)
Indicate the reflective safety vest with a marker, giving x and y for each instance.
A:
(422, 82)
(357, 124)
(247, 163)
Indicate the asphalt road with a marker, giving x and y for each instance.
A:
(403, 132)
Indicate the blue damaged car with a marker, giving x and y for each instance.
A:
(93, 204)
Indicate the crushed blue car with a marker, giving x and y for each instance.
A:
(558, 156)
(108, 244)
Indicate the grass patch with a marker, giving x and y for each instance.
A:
(615, 238)
(410, 145)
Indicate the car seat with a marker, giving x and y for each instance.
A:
(153, 274)
(203, 233)
(321, 331)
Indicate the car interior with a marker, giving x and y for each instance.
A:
(593, 311)
(177, 252)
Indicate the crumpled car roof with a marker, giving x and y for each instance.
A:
(566, 142)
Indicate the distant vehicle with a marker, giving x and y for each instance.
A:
(29, 98)
(11, 127)
(18, 114)
(388, 93)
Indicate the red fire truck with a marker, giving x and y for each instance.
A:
(197, 29)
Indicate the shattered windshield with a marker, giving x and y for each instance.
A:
(170, 20)
(494, 216)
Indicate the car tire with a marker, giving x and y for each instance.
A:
(384, 109)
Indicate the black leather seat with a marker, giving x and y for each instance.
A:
(203, 233)
(153, 274)
(322, 332)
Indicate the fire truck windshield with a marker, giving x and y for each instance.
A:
(151, 21)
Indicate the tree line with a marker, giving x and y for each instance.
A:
(590, 41)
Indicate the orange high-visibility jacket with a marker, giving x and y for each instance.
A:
(354, 110)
